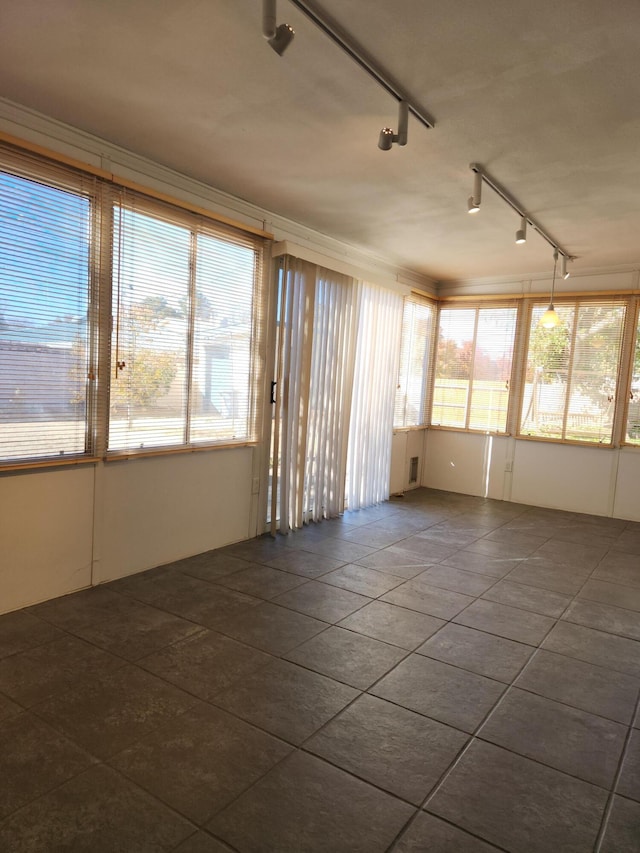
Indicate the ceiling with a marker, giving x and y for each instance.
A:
(545, 95)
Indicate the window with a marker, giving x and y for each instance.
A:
(184, 302)
(473, 368)
(571, 375)
(632, 432)
(176, 362)
(46, 336)
(415, 350)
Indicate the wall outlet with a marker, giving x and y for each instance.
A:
(508, 466)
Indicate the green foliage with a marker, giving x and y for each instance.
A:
(204, 308)
(149, 375)
(149, 371)
(549, 350)
(151, 312)
(447, 363)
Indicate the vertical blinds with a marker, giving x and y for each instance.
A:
(295, 330)
(317, 321)
(374, 387)
(331, 388)
(46, 339)
(473, 368)
(413, 375)
(571, 376)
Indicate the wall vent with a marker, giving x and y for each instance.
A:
(413, 469)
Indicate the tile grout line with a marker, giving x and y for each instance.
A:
(300, 747)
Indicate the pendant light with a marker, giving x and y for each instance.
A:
(550, 319)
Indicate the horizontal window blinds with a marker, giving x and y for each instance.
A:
(415, 349)
(227, 326)
(187, 304)
(571, 376)
(473, 368)
(632, 433)
(151, 274)
(46, 334)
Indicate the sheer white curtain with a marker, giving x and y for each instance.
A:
(317, 321)
(375, 380)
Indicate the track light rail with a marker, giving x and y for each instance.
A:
(361, 58)
(515, 205)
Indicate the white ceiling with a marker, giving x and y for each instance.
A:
(545, 95)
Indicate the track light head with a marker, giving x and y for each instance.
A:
(565, 271)
(521, 233)
(388, 137)
(385, 140)
(282, 39)
(279, 38)
(473, 205)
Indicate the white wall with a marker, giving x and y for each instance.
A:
(564, 476)
(470, 463)
(156, 510)
(405, 445)
(46, 534)
(594, 480)
(63, 530)
(626, 500)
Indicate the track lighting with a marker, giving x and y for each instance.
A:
(480, 177)
(476, 198)
(362, 58)
(388, 137)
(279, 37)
(550, 319)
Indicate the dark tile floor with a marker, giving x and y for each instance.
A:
(440, 673)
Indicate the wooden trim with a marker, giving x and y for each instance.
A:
(192, 208)
(571, 442)
(110, 177)
(414, 428)
(33, 148)
(48, 463)
(119, 456)
(126, 455)
(468, 430)
(430, 297)
(538, 295)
